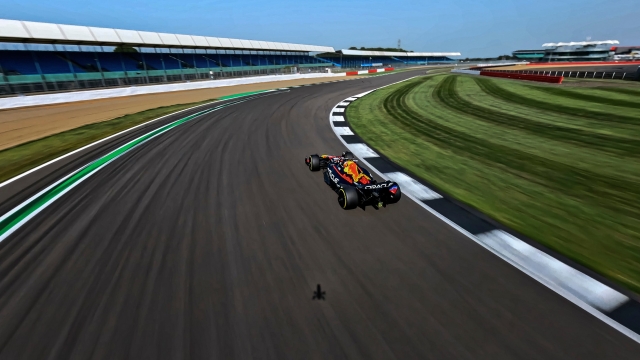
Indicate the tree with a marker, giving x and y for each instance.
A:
(125, 48)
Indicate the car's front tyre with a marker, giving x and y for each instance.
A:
(314, 163)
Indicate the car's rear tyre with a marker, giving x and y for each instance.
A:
(348, 197)
(314, 163)
(349, 155)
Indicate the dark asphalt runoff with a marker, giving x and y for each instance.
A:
(208, 242)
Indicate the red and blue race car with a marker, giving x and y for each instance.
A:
(354, 184)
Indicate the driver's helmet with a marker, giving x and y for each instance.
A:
(347, 155)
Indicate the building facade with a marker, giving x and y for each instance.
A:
(579, 51)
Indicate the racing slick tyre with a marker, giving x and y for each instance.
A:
(348, 155)
(348, 197)
(314, 163)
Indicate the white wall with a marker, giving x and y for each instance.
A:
(46, 99)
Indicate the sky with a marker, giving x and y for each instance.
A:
(476, 28)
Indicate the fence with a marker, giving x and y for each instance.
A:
(619, 75)
(529, 77)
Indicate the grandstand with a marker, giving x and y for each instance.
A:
(347, 58)
(36, 57)
(39, 57)
(579, 51)
(529, 55)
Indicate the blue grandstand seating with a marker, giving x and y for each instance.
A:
(201, 63)
(21, 62)
(240, 60)
(153, 61)
(52, 63)
(186, 60)
(225, 60)
(357, 61)
(214, 61)
(83, 62)
(20, 70)
(277, 60)
(129, 63)
(266, 60)
(140, 60)
(110, 62)
(171, 62)
(17, 63)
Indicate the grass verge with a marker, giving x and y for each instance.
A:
(23, 157)
(560, 166)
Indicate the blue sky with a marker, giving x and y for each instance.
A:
(474, 27)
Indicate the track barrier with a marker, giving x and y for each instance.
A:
(602, 75)
(529, 77)
(370, 71)
(47, 99)
(556, 63)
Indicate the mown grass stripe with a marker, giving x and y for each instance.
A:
(504, 94)
(584, 184)
(577, 95)
(632, 92)
(448, 96)
(584, 205)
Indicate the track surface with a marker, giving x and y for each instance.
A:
(208, 241)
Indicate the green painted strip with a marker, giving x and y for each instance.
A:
(18, 216)
(227, 97)
(26, 210)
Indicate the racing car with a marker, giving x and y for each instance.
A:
(354, 184)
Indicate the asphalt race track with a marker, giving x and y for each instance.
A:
(208, 241)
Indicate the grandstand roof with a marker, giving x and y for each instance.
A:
(582, 43)
(27, 31)
(395, 53)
